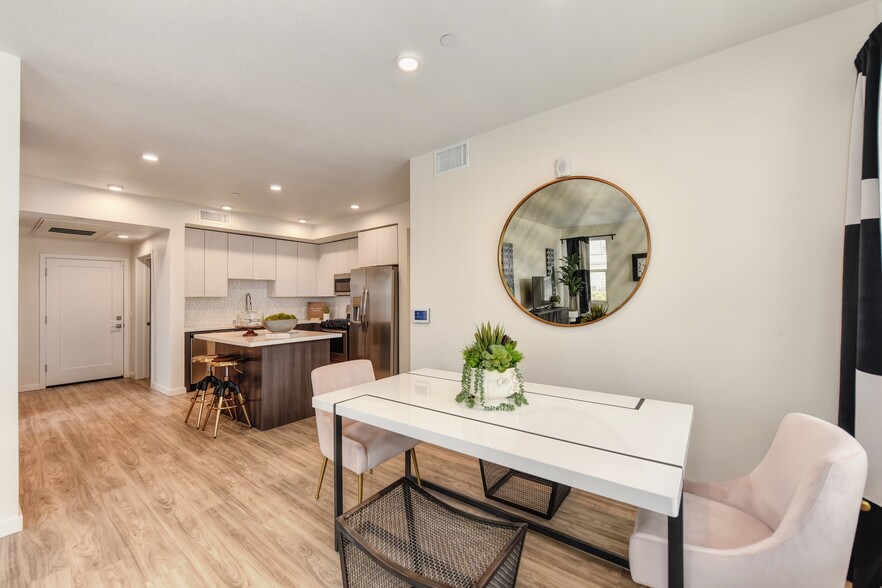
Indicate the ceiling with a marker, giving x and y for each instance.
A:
(234, 96)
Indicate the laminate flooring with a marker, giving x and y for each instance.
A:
(117, 491)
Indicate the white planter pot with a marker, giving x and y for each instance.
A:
(498, 386)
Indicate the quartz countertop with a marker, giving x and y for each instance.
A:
(230, 326)
(261, 340)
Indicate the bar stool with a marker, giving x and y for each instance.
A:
(200, 397)
(227, 395)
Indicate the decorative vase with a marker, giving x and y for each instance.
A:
(498, 386)
(326, 316)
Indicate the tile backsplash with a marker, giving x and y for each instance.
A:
(221, 311)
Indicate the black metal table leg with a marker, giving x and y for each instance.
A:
(407, 465)
(338, 472)
(675, 549)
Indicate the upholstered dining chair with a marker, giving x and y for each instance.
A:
(789, 523)
(364, 446)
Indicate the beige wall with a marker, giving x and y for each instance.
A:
(10, 115)
(30, 249)
(738, 162)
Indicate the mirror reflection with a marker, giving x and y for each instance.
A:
(574, 251)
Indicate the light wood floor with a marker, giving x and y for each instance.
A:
(117, 491)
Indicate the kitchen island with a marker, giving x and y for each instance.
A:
(276, 378)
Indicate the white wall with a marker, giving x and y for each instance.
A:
(29, 297)
(10, 115)
(738, 161)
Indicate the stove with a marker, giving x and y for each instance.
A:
(339, 346)
(335, 325)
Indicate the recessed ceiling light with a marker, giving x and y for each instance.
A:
(149, 157)
(275, 187)
(408, 63)
(123, 236)
(114, 188)
(226, 208)
(353, 206)
(301, 220)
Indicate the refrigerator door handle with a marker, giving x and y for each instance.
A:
(365, 299)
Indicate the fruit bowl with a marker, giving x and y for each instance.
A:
(282, 326)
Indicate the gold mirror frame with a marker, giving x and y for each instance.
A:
(526, 198)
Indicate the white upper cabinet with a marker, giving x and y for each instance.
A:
(205, 263)
(326, 267)
(347, 256)
(240, 264)
(286, 270)
(306, 269)
(264, 259)
(378, 247)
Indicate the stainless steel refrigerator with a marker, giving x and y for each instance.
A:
(373, 331)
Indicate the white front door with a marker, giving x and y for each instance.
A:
(84, 320)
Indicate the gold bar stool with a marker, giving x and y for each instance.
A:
(227, 396)
(200, 396)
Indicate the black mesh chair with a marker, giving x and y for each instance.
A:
(403, 536)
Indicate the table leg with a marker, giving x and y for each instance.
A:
(338, 473)
(675, 549)
(407, 465)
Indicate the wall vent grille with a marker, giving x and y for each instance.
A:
(67, 231)
(451, 158)
(214, 216)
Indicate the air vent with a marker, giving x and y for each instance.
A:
(79, 232)
(452, 157)
(214, 217)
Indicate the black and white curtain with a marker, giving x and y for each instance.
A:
(860, 389)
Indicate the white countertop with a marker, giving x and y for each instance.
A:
(626, 448)
(260, 340)
(230, 325)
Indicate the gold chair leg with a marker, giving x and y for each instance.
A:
(208, 413)
(201, 407)
(219, 410)
(318, 487)
(360, 487)
(244, 410)
(192, 404)
(416, 467)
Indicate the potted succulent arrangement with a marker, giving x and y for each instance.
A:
(490, 373)
(596, 310)
(569, 277)
(326, 311)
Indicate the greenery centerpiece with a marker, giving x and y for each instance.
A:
(490, 373)
(571, 278)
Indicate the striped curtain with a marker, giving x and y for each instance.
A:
(860, 389)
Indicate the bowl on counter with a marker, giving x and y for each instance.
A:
(280, 326)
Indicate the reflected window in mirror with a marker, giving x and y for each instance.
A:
(567, 251)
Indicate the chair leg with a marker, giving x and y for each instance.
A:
(192, 404)
(219, 410)
(318, 487)
(201, 407)
(360, 487)
(416, 467)
(244, 410)
(208, 413)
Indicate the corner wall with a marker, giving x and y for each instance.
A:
(10, 125)
(738, 162)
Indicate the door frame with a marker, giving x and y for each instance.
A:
(143, 294)
(126, 309)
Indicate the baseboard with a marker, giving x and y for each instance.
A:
(168, 391)
(29, 387)
(11, 525)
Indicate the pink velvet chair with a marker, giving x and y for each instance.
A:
(790, 523)
(364, 446)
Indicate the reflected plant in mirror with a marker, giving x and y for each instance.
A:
(581, 232)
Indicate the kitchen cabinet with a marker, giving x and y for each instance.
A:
(347, 256)
(326, 267)
(378, 247)
(251, 258)
(205, 263)
(285, 284)
(306, 269)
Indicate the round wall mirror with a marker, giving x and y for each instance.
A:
(574, 251)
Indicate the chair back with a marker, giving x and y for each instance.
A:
(812, 476)
(329, 378)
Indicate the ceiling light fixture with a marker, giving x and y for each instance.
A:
(123, 236)
(226, 208)
(301, 220)
(114, 188)
(276, 187)
(149, 157)
(408, 63)
(353, 206)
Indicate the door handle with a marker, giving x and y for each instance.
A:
(364, 312)
(118, 326)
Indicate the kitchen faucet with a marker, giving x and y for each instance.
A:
(248, 302)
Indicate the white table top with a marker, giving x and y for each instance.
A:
(261, 340)
(625, 448)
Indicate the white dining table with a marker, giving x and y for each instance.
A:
(626, 448)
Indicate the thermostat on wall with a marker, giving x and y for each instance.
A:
(421, 315)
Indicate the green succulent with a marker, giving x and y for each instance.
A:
(492, 350)
(595, 311)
